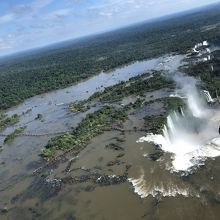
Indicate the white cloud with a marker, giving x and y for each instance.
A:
(107, 14)
(39, 4)
(18, 11)
(37, 24)
(7, 18)
(4, 44)
(62, 12)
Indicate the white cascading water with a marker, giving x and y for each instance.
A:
(190, 135)
(208, 96)
(145, 186)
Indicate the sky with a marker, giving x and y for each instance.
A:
(26, 24)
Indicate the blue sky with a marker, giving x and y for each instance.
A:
(26, 24)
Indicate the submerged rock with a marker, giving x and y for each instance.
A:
(89, 188)
(2, 162)
(115, 147)
(54, 182)
(15, 198)
(204, 189)
(43, 188)
(120, 155)
(102, 180)
(115, 162)
(4, 210)
(111, 180)
(217, 198)
(1, 148)
(155, 156)
(120, 139)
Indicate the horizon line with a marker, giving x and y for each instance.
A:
(100, 33)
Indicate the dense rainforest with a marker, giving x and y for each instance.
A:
(61, 65)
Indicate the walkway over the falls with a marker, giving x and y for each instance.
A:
(37, 135)
(70, 131)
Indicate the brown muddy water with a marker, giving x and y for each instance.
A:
(114, 177)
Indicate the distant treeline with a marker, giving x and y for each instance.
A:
(61, 66)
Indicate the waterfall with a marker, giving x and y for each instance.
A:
(188, 134)
(208, 96)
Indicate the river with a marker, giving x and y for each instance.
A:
(21, 157)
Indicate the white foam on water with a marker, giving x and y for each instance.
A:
(190, 135)
(143, 188)
(188, 155)
(208, 96)
(176, 95)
